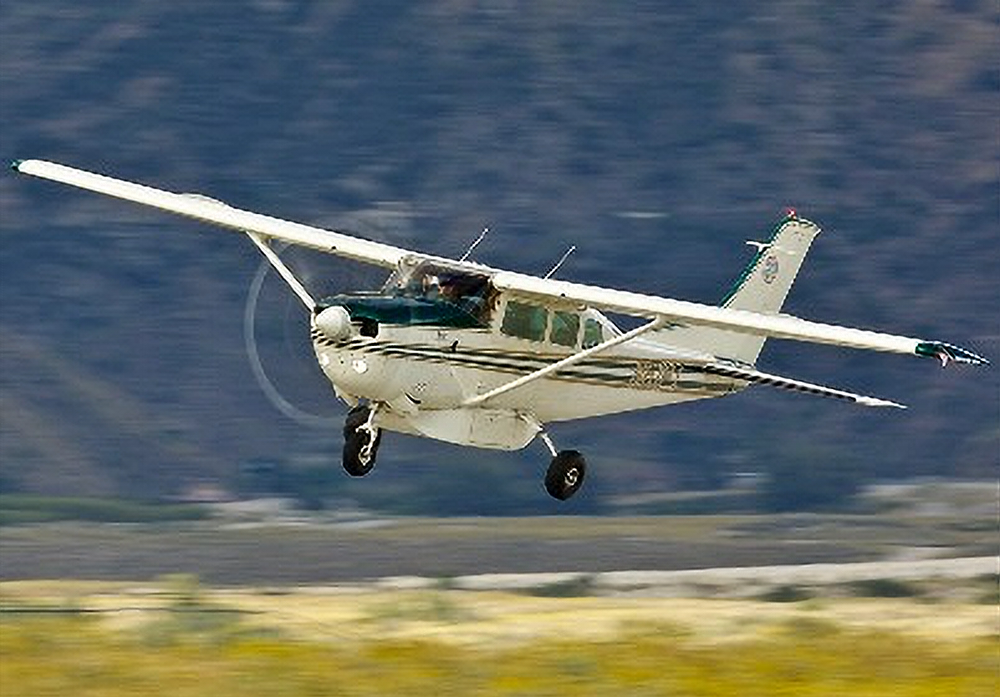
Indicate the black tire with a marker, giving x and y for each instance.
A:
(565, 475)
(355, 441)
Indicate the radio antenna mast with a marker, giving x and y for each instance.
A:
(475, 244)
(572, 248)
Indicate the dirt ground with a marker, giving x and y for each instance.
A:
(319, 551)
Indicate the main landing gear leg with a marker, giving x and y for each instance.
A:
(361, 440)
(566, 471)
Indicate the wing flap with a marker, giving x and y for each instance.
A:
(212, 211)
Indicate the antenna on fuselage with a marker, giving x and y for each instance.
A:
(475, 244)
(564, 257)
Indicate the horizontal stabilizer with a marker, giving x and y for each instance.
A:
(757, 377)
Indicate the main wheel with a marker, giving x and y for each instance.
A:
(565, 475)
(357, 462)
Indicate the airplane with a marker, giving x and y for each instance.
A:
(458, 351)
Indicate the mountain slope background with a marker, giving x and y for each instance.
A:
(657, 140)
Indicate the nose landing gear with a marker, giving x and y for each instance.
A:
(361, 441)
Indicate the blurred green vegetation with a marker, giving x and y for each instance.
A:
(79, 655)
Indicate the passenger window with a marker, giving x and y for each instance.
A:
(592, 333)
(524, 321)
(565, 327)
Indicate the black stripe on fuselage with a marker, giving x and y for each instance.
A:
(612, 372)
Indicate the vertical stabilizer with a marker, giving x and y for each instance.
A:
(762, 287)
(765, 282)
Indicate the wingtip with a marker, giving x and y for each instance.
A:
(27, 165)
(947, 353)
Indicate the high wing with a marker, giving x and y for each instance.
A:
(209, 210)
(666, 310)
(778, 326)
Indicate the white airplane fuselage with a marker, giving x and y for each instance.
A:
(424, 375)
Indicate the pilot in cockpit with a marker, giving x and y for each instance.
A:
(431, 287)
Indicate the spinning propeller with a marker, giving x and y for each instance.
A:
(290, 356)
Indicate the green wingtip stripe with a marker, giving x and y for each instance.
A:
(937, 349)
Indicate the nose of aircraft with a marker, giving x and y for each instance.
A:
(334, 322)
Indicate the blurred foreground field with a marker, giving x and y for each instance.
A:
(174, 636)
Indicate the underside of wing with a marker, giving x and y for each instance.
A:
(682, 312)
(758, 378)
(210, 210)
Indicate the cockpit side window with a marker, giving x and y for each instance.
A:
(565, 328)
(593, 334)
(524, 321)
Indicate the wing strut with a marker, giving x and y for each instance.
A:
(564, 363)
(286, 273)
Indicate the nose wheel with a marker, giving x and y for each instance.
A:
(361, 441)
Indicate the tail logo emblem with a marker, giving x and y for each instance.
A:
(770, 270)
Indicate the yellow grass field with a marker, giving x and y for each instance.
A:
(175, 637)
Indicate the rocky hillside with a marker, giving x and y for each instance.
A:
(656, 140)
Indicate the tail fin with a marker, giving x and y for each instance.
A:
(762, 287)
(765, 282)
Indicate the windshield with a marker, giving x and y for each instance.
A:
(440, 284)
(422, 293)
